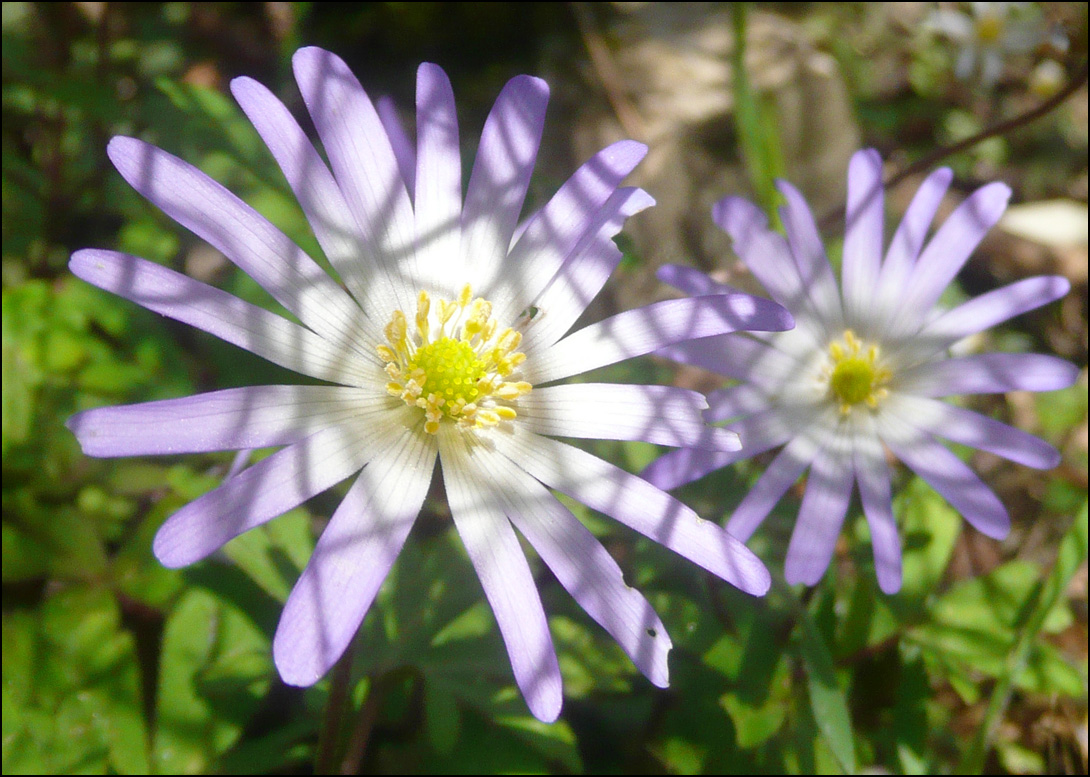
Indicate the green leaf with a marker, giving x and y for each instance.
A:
(72, 695)
(827, 701)
(214, 669)
(929, 528)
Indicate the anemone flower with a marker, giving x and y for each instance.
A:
(987, 36)
(438, 346)
(864, 367)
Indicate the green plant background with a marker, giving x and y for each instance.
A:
(113, 664)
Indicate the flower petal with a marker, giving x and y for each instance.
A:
(584, 567)
(824, 505)
(771, 260)
(758, 433)
(583, 274)
(228, 224)
(809, 254)
(352, 558)
(233, 419)
(660, 414)
(948, 475)
(872, 475)
(501, 175)
(988, 373)
(477, 508)
(640, 331)
(738, 356)
(728, 403)
(566, 228)
(400, 144)
(364, 164)
(994, 307)
(321, 199)
(862, 237)
(639, 505)
(227, 317)
(691, 281)
(946, 254)
(975, 430)
(781, 474)
(267, 489)
(908, 241)
(438, 203)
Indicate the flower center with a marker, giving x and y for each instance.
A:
(454, 363)
(989, 28)
(855, 374)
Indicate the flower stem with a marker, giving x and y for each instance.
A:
(329, 737)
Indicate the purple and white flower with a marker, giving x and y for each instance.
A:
(440, 344)
(987, 36)
(864, 367)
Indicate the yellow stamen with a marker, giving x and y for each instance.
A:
(856, 375)
(454, 365)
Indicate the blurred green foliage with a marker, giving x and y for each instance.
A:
(112, 664)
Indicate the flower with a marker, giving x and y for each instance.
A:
(863, 367)
(438, 346)
(988, 35)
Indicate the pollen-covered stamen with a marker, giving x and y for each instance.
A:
(454, 364)
(855, 374)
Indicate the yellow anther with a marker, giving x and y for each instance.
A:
(423, 306)
(452, 365)
(855, 375)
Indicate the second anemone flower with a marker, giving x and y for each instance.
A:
(865, 367)
(442, 344)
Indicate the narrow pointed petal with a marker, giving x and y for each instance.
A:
(321, 199)
(772, 261)
(231, 226)
(655, 326)
(221, 314)
(809, 254)
(743, 399)
(975, 430)
(584, 567)
(660, 414)
(988, 373)
(948, 475)
(566, 227)
(352, 558)
(872, 475)
(493, 547)
(758, 433)
(584, 272)
(438, 203)
(400, 144)
(264, 491)
(639, 505)
(995, 307)
(909, 240)
(737, 356)
(824, 505)
(363, 163)
(501, 172)
(685, 465)
(947, 253)
(233, 419)
(774, 482)
(691, 281)
(863, 237)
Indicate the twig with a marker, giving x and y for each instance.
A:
(928, 161)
